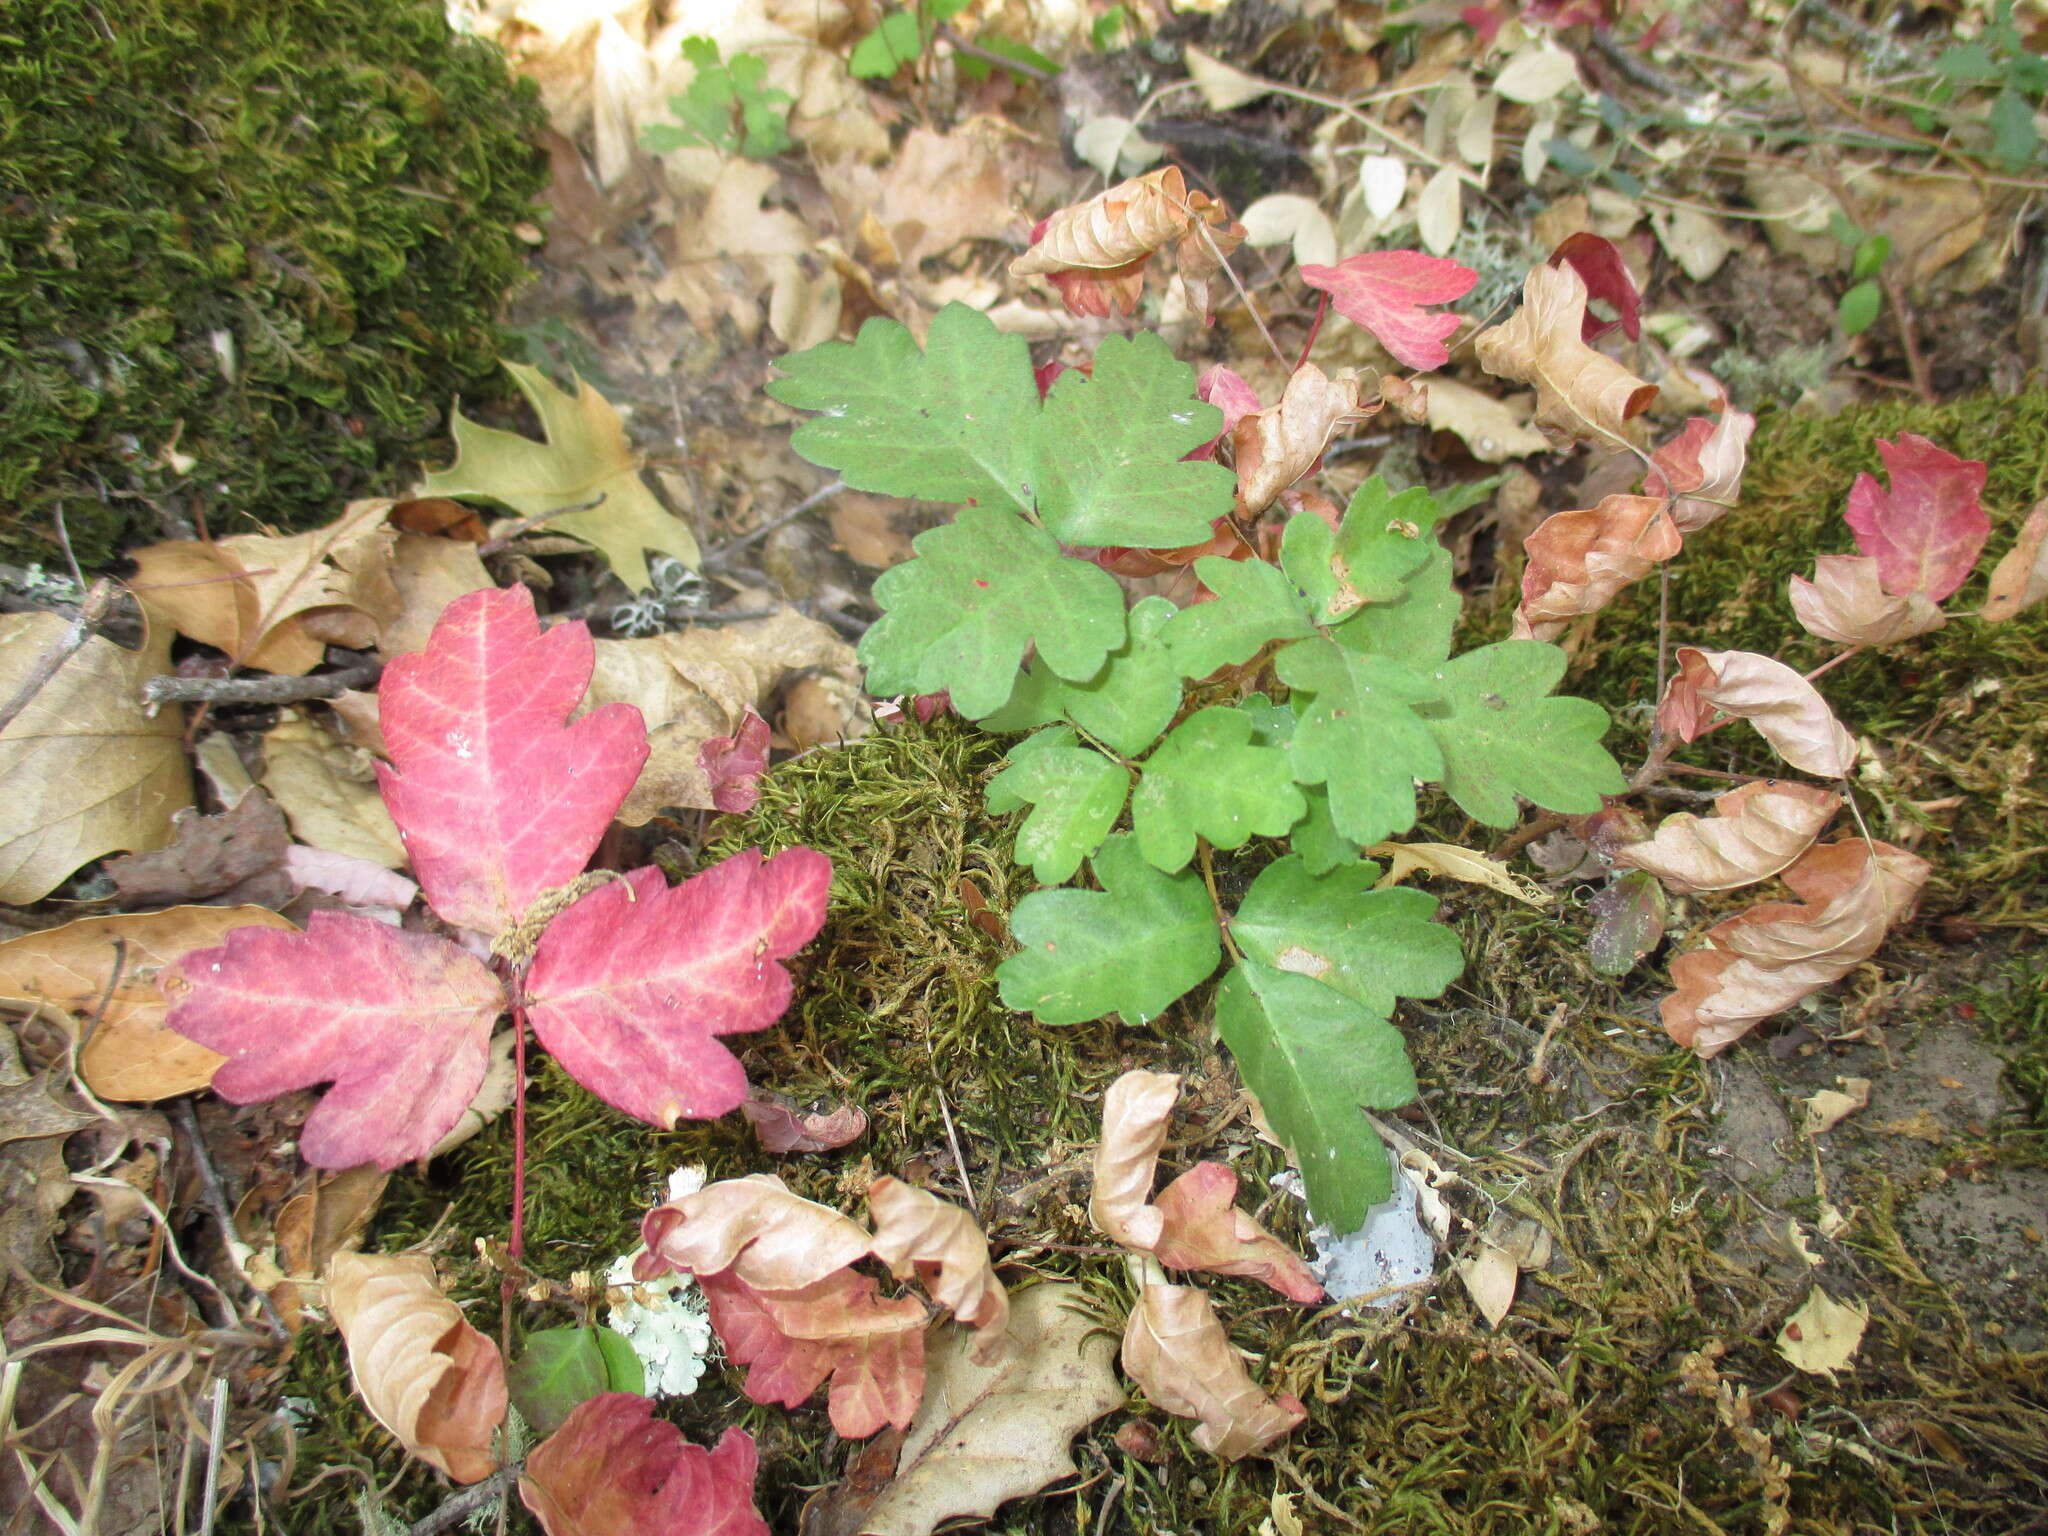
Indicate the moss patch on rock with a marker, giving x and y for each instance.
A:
(249, 253)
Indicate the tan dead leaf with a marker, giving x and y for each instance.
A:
(865, 527)
(996, 1428)
(328, 791)
(1580, 393)
(2020, 579)
(697, 684)
(1225, 89)
(1786, 709)
(425, 1374)
(822, 709)
(918, 1233)
(753, 1227)
(317, 1223)
(1822, 1337)
(804, 306)
(131, 1056)
(1579, 561)
(936, 191)
(1495, 430)
(1281, 1520)
(1297, 222)
(1754, 832)
(584, 458)
(1846, 603)
(1829, 1107)
(276, 603)
(1440, 210)
(1135, 1113)
(1176, 1350)
(1278, 445)
(1490, 1278)
(724, 254)
(1695, 240)
(428, 574)
(1454, 863)
(1108, 239)
(85, 772)
(1536, 74)
(1701, 469)
(1767, 958)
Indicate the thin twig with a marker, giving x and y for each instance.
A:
(459, 1506)
(98, 603)
(959, 1162)
(498, 543)
(172, 689)
(216, 1196)
(961, 45)
(217, 1428)
(726, 550)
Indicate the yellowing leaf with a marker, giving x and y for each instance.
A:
(1222, 87)
(1454, 863)
(585, 457)
(328, 792)
(1823, 1336)
(83, 771)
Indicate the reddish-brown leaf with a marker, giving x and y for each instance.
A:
(1205, 1230)
(734, 765)
(1846, 602)
(2020, 579)
(1786, 709)
(614, 1469)
(1701, 468)
(1755, 831)
(1580, 393)
(782, 1127)
(1176, 1349)
(1578, 561)
(1926, 531)
(770, 1238)
(1599, 263)
(918, 1233)
(871, 1350)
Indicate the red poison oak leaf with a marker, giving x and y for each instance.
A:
(872, 1350)
(1205, 1230)
(1385, 292)
(497, 796)
(630, 986)
(614, 1469)
(1598, 262)
(399, 1022)
(734, 765)
(1926, 531)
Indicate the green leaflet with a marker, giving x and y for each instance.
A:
(1314, 1057)
(561, 1367)
(1125, 705)
(1503, 736)
(1373, 946)
(1211, 779)
(1415, 628)
(1321, 846)
(981, 591)
(1255, 603)
(1075, 793)
(1129, 949)
(1107, 460)
(950, 423)
(1359, 735)
(1382, 539)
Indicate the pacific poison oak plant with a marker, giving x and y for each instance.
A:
(1304, 703)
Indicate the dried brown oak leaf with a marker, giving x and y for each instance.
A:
(427, 1376)
(1847, 603)
(1769, 957)
(1578, 561)
(1277, 446)
(1755, 831)
(918, 1233)
(1580, 393)
(1095, 252)
(1176, 1350)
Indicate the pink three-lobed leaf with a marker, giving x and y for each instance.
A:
(1385, 292)
(1926, 531)
(496, 795)
(629, 986)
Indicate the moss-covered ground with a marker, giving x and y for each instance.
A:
(1634, 1388)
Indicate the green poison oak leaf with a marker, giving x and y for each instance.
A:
(496, 795)
(982, 590)
(1313, 1058)
(1415, 628)
(1254, 605)
(1108, 461)
(1124, 706)
(1075, 793)
(614, 1469)
(561, 1367)
(1372, 946)
(949, 423)
(1502, 736)
(399, 1022)
(1210, 779)
(1130, 949)
(1359, 735)
(628, 986)
(586, 458)
(1382, 540)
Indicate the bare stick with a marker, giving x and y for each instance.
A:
(961, 45)
(217, 1428)
(526, 525)
(171, 689)
(959, 1162)
(726, 550)
(98, 603)
(216, 1197)
(459, 1506)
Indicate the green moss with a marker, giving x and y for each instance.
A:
(272, 238)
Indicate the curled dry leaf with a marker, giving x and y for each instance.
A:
(1784, 707)
(1578, 561)
(1176, 1350)
(1135, 1112)
(1846, 602)
(227, 859)
(1580, 393)
(427, 1376)
(918, 1233)
(781, 1127)
(1095, 252)
(1755, 831)
(1831, 1106)
(1283, 442)
(614, 1469)
(1822, 1337)
(1600, 266)
(2020, 579)
(768, 1237)
(1926, 531)
(1454, 863)
(1701, 468)
(1770, 956)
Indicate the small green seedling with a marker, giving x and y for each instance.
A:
(903, 37)
(1856, 311)
(728, 107)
